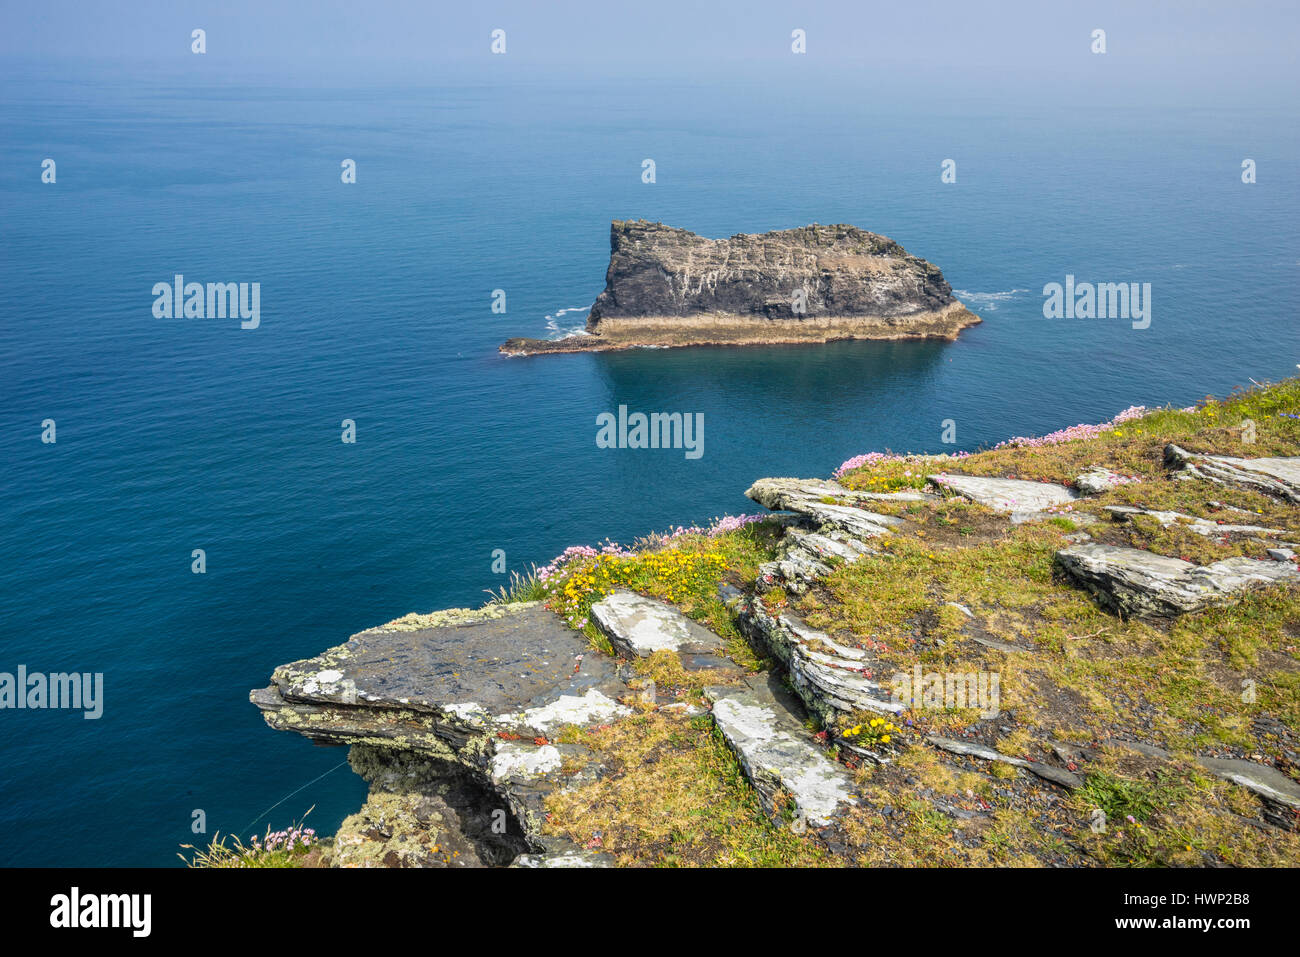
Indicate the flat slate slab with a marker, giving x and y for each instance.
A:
(760, 724)
(1278, 476)
(1139, 582)
(638, 627)
(1016, 497)
(450, 675)
(1201, 526)
(1267, 782)
(1047, 772)
(806, 497)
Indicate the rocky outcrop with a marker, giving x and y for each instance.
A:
(1097, 480)
(1138, 582)
(638, 627)
(473, 696)
(670, 287)
(1279, 477)
(763, 728)
(1022, 500)
(824, 529)
(1200, 526)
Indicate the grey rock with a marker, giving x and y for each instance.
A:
(1201, 526)
(638, 627)
(1047, 772)
(1022, 500)
(1097, 480)
(805, 496)
(1268, 783)
(464, 689)
(803, 557)
(1279, 477)
(763, 728)
(579, 859)
(1139, 582)
(667, 286)
(829, 677)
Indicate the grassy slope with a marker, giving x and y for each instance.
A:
(1090, 676)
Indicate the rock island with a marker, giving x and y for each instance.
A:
(669, 287)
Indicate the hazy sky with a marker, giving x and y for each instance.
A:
(1241, 48)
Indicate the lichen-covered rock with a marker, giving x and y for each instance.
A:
(423, 812)
(668, 286)
(1097, 480)
(1139, 582)
(819, 504)
(1279, 477)
(1021, 499)
(777, 753)
(439, 684)
(829, 677)
(475, 694)
(638, 627)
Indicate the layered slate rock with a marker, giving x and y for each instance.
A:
(637, 627)
(1279, 793)
(481, 689)
(423, 813)
(669, 287)
(830, 525)
(830, 678)
(804, 556)
(762, 726)
(1138, 582)
(1200, 526)
(809, 499)
(1268, 783)
(435, 683)
(1279, 477)
(1021, 499)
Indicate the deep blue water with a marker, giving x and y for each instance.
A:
(181, 434)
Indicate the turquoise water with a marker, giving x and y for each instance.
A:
(376, 306)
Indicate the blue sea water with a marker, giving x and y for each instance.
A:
(178, 434)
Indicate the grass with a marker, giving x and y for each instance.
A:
(675, 796)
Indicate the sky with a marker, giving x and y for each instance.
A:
(1178, 49)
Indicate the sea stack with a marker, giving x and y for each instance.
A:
(670, 287)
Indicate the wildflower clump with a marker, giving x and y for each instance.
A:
(875, 732)
(886, 472)
(285, 848)
(674, 575)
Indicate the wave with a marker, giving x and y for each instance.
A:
(987, 301)
(558, 328)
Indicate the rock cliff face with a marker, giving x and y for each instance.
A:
(670, 287)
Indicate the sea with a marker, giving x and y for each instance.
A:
(474, 188)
